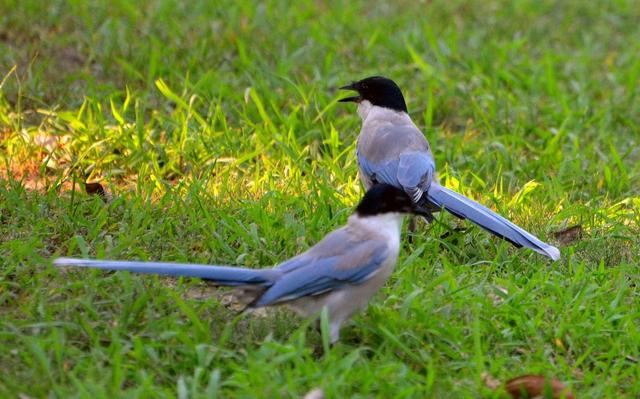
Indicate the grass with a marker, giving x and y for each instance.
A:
(216, 130)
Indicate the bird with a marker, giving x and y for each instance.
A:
(342, 272)
(391, 149)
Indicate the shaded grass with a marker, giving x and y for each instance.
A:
(216, 130)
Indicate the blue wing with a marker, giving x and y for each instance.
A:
(413, 172)
(379, 172)
(318, 276)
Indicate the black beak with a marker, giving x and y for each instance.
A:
(354, 99)
(350, 86)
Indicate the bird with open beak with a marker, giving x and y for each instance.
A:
(392, 150)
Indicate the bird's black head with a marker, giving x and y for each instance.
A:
(384, 198)
(378, 91)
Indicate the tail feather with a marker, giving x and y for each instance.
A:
(465, 208)
(223, 275)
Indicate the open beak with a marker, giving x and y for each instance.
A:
(354, 99)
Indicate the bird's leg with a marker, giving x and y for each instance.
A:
(318, 325)
(411, 228)
(334, 332)
(334, 328)
(412, 225)
(334, 336)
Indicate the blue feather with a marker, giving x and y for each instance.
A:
(224, 275)
(413, 172)
(463, 207)
(300, 276)
(322, 275)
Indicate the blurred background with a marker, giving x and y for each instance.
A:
(213, 131)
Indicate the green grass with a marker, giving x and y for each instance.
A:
(216, 129)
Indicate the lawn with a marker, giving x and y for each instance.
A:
(215, 129)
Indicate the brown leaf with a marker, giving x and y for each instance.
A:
(315, 393)
(568, 235)
(96, 189)
(530, 386)
(489, 381)
(497, 294)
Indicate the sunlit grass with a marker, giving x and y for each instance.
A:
(216, 132)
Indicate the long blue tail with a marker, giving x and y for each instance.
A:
(223, 275)
(465, 208)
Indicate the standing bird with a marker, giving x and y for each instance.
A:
(341, 272)
(392, 150)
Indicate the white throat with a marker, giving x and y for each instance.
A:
(370, 112)
(364, 107)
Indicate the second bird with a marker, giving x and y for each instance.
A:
(341, 272)
(392, 150)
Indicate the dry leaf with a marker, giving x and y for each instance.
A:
(531, 386)
(568, 235)
(96, 189)
(495, 296)
(315, 393)
(489, 381)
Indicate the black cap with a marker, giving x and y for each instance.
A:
(379, 91)
(385, 198)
